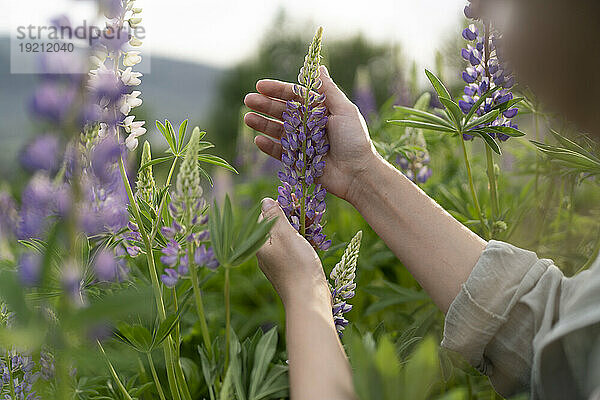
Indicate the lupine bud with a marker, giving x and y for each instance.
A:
(304, 145)
(342, 284)
(145, 185)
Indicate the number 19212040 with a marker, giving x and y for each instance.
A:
(46, 47)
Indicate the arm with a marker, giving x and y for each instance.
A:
(319, 368)
(437, 250)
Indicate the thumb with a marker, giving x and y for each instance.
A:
(270, 209)
(335, 100)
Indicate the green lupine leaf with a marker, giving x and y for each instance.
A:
(275, 382)
(484, 119)
(167, 135)
(216, 160)
(265, 350)
(228, 228)
(159, 160)
(569, 144)
(182, 130)
(422, 125)
(427, 117)
(455, 112)
(489, 141)
(253, 243)
(439, 87)
(506, 130)
(171, 134)
(479, 102)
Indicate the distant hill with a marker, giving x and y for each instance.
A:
(174, 90)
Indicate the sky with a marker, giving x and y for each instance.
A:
(224, 32)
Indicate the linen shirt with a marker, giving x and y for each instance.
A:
(521, 322)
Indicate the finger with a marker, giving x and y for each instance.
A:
(270, 210)
(265, 125)
(266, 105)
(277, 89)
(335, 100)
(268, 146)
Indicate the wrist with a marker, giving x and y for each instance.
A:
(307, 294)
(362, 178)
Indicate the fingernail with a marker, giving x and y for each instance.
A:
(267, 204)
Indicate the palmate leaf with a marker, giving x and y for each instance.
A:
(569, 144)
(506, 130)
(168, 135)
(235, 244)
(216, 160)
(573, 160)
(159, 160)
(181, 138)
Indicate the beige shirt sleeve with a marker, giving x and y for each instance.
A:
(509, 311)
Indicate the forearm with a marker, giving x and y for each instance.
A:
(319, 368)
(436, 249)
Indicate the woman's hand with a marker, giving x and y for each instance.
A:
(319, 368)
(289, 261)
(351, 148)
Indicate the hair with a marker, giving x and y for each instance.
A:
(554, 48)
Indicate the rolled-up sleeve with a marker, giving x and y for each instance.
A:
(510, 298)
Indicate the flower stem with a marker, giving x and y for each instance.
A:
(160, 306)
(155, 377)
(198, 298)
(493, 185)
(304, 166)
(114, 375)
(162, 203)
(10, 378)
(484, 226)
(227, 316)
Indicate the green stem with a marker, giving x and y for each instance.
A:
(185, 391)
(153, 277)
(199, 305)
(155, 377)
(469, 388)
(484, 226)
(493, 185)
(114, 375)
(176, 330)
(162, 202)
(303, 176)
(227, 316)
(10, 378)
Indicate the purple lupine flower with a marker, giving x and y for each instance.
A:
(29, 269)
(170, 277)
(47, 364)
(41, 153)
(53, 101)
(19, 367)
(304, 146)
(206, 257)
(486, 71)
(37, 205)
(105, 265)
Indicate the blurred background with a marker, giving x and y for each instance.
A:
(206, 55)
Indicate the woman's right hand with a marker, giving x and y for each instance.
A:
(351, 149)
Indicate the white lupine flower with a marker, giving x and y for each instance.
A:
(130, 101)
(134, 21)
(135, 130)
(131, 78)
(135, 42)
(132, 58)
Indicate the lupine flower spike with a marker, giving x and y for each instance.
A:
(145, 185)
(187, 211)
(304, 145)
(342, 284)
(486, 71)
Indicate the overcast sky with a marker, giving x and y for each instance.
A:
(223, 32)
